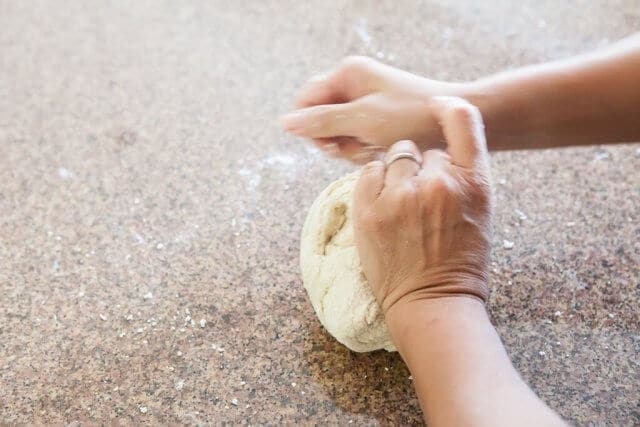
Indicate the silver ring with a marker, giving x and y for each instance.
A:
(402, 155)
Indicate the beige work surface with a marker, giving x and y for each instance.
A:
(145, 183)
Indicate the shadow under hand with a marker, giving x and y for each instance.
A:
(373, 384)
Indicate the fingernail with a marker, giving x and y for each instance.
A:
(291, 120)
(331, 149)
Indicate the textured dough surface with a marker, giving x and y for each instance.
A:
(332, 276)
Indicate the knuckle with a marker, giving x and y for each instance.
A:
(463, 111)
(435, 155)
(404, 201)
(438, 188)
(407, 192)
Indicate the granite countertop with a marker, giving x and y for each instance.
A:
(150, 211)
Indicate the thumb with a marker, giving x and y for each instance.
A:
(463, 130)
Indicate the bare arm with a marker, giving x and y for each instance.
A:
(588, 99)
(422, 228)
(363, 106)
(461, 371)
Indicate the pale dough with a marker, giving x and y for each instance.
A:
(332, 275)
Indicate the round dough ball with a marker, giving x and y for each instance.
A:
(332, 274)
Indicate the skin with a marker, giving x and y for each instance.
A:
(422, 228)
(423, 231)
(362, 106)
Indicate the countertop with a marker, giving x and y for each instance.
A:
(151, 207)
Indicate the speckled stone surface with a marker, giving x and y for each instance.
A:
(144, 183)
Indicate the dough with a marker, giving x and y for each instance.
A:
(332, 276)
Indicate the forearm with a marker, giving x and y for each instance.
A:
(589, 99)
(462, 373)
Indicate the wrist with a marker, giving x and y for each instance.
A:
(510, 111)
(467, 281)
(461, 371)
(437, 317)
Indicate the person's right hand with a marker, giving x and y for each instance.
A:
(363, 106)
(422, 226)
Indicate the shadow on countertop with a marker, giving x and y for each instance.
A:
(375, 384)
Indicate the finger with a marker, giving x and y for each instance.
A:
(351, 79)
(463, 130)
(339, 146)
(328, 147)
(435, 175)
(326, 121)
(437, 186)
(351, 149)
(355, 150)
(369, 185)
(321, 89)
(367, 153)
(434, 162)
(399, 171)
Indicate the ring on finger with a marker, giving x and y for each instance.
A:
(402, 155)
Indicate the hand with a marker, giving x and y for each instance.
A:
(423, 230)
(363, 106)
